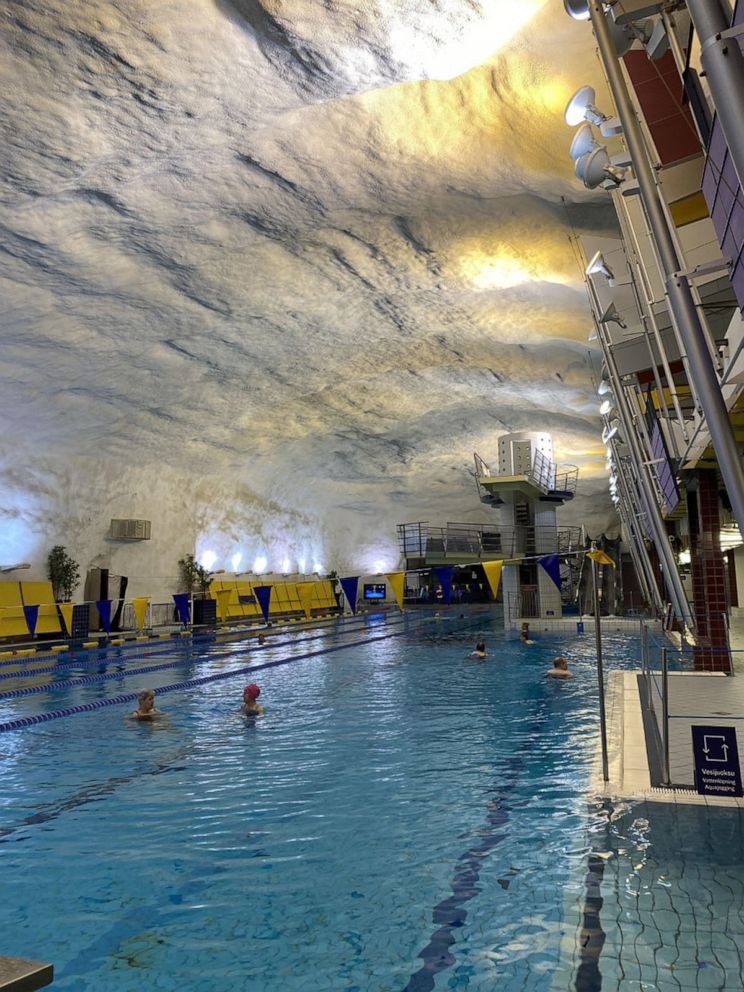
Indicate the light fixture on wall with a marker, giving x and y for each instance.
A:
(581, 107)
(594, 169)
(610, 431)
(598, 266)
(583, 141)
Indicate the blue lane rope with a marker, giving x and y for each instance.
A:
(65, 665)
(120, 673)
(128, 697)
(130, 647)
(104, 676)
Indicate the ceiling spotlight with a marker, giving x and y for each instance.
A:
(581, 108)
(578, 9)
(598, 266)
(605, 407)
(594, 168)
(604, 388)
(610, 431)
(583, 141)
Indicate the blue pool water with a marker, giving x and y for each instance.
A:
(400, 819)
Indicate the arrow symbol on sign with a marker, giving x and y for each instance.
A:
(716, 747)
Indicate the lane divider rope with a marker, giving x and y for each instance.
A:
(120, 673)
(128, 697)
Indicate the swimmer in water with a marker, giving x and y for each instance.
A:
(146, 706)
(479, 652)
(559, 669)
(262, 638)
(524, 634)
(250, 707)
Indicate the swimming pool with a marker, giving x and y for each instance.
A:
(400, 819)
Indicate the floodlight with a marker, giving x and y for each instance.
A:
(578, 9)
(604, 388)
(598, 266)
(605, 407)
(610, 431)
(581, 108)
(594, 168)
(592, 334)
(583, 141)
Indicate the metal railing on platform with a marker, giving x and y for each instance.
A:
(678, 702)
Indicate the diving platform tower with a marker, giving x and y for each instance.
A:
(526, 490)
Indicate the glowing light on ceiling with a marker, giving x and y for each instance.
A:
(317, 567)
(499, 269)
(470, 46)
(235, 560)
(285, 565)
(259, 565)
(301, 564)
(207, 559)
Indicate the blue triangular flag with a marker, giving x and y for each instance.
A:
(32, 615)
(181, 599)
(350, 585)
(104, 612)
(552, 566)
(263, 595)
(444, 578)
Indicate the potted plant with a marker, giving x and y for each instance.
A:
(63, 573)
(194, 576)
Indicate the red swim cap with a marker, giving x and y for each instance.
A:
(252, 691)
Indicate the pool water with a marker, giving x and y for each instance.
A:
(400, 819)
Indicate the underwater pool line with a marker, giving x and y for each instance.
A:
(129, 697)
(449, 914)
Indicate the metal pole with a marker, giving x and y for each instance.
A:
(666, 778)
(682, 305)
(600, 676)
(723, 62)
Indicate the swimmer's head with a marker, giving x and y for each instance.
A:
(251, 692)
(146, 699)
(560, 662)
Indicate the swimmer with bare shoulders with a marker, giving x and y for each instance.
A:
(146, 706)
(559, 669)
(524, 634)
(250, 707)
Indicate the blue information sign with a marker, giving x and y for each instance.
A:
(717, 771)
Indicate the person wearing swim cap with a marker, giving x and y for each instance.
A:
(250, 707)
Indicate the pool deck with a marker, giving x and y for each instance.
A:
(708, 697)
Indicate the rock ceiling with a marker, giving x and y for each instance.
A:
(318, 248)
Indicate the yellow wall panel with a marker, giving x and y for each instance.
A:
(12, 619)
(41, 594)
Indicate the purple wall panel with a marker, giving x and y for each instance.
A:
(725, 197)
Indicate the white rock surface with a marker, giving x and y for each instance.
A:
(272, 272)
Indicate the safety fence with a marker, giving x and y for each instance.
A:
(687, 685)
